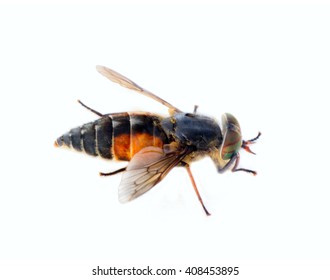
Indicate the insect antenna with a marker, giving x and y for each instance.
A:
(245, 144)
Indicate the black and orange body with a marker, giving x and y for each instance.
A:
(154, 145)
(117, 136)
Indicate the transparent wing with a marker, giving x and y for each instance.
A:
(146, 169)
(125, 82)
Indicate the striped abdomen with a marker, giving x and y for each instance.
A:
(116, 136)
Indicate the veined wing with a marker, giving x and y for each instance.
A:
(125, 82)
(146, 169)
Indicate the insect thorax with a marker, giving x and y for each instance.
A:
(201, 132)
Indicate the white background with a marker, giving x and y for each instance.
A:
(268, 63)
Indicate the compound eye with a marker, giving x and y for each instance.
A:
(232, 137)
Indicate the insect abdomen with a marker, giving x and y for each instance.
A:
(116, 136)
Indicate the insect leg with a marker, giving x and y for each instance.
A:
(235, 169)
(113, 172)
(90, 109)
(196, 190)
(245, 146)
(221, 167)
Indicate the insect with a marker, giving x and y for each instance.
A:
(153, 144)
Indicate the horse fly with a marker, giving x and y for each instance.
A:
(154, 145)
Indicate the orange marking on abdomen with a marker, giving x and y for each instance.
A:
(121, 147)
(142, 140)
